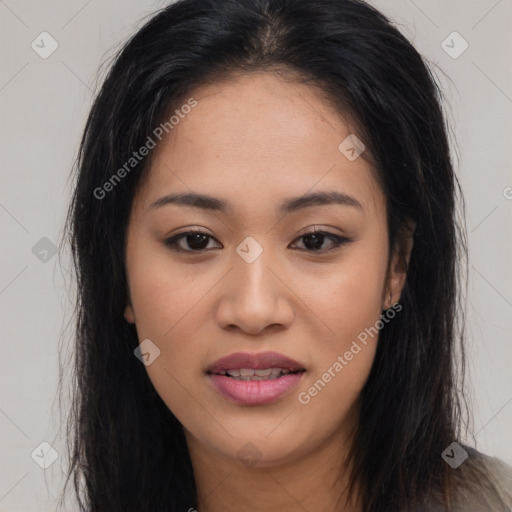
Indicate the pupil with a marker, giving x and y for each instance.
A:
(317, 240)
(196, 240)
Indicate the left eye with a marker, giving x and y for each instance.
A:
(197, 241)
(315, 239)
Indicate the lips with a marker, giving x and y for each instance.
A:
(255, 361)
(244, 378)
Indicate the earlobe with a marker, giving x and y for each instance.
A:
(128, 314)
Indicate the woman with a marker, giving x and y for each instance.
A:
(265, 236)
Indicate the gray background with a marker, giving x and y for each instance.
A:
(43, 107)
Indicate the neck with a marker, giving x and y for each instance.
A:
(314, 481)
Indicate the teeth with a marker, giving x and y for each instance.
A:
(263, 373)
(249, 374)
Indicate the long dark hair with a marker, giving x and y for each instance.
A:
(128, 451)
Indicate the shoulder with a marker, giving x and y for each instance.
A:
(484, 483)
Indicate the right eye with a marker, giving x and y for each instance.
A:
(196, 240)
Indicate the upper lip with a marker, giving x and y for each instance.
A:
(257, 361)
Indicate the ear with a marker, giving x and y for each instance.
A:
(128, 312)
(397, 271)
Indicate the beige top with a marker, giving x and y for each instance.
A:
(498, 497)
(474, 493)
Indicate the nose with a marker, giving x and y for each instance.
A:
(256, 298)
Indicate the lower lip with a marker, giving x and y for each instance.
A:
(256, 392)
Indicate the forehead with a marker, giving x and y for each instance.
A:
(259, 137)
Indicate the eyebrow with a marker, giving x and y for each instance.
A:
(206, 202)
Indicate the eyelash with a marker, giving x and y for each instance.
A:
(338, 241)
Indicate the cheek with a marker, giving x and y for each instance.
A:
(348, 297)
(349, 302)
(358, 298)
(165, 294)
(168, 301)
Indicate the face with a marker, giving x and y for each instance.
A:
(255, 279)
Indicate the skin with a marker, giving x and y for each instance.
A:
(255, 141)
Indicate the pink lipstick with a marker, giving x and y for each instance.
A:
(255, 379)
